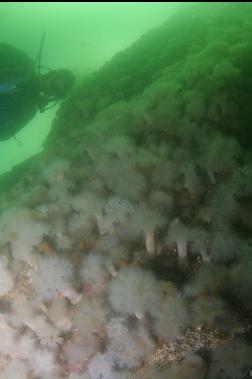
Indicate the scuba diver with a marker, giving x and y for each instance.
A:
(24, 90)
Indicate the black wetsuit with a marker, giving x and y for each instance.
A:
(19, 90)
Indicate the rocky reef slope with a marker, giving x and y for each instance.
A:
(126, 245)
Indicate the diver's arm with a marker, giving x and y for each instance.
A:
(11, 122)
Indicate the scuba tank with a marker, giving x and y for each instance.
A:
(12, 78)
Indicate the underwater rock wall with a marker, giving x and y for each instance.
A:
(126, 245)
(204, 49)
